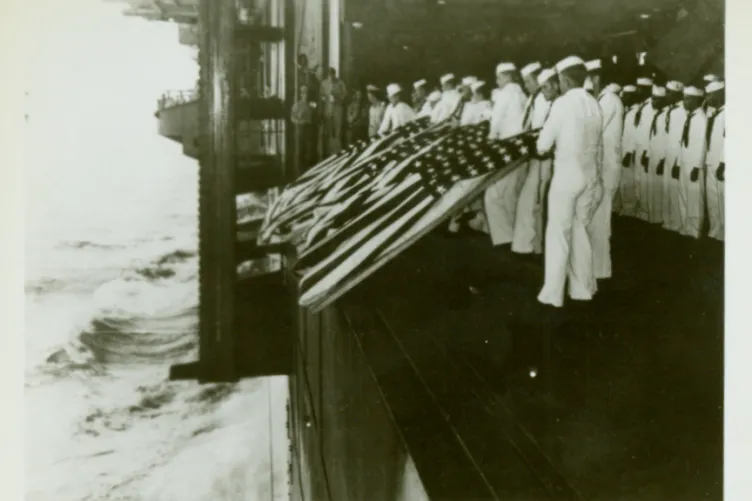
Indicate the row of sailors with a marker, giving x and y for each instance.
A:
(654, 157)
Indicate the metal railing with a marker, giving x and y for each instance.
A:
(175, 98)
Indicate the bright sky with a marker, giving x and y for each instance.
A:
(86, 57)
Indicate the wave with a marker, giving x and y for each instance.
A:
(85, 244)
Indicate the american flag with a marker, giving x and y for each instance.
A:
(294, 208)
(423, 182)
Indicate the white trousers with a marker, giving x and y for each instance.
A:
(600, 232)
(528, 225)
(642, 185)
(671, 214)
(628, 190)
(716, 199)
(654, 191)
(569, 254)
(691, 201)
(501, 206)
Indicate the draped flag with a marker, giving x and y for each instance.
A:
(355, 212)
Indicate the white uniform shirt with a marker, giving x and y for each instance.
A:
(658, 137)
(538, 113)
(643, 118)
(447, 106)
(396, 115)
(613, 123)
(575, 128)
(715, 155)
(425, 110)
(508, 111)
(627, 137)
(475, 112)
(693, 150)
(674, 126)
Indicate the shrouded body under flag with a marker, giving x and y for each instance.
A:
(353, 213)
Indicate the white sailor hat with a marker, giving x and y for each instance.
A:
(715, 86)
(372, 88)
(629, 88)
(659, 91)
(569, 62)
(477, 85)
(446, 78)
(710, 77)
(613, 87)
(434, 97)
(419, 83)
(593, 65)
(468, 81)
(505, 67)
(545, 75)
(588, 84)
(530, 68)
(675, 86)
(691, 90)
(645, 82)
(392, 89)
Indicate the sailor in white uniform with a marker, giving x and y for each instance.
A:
(375, 111)
(474, 111)
(450, 99)
(626, 94)
(653, 187)
(431, 100)
(692, 164)
(477, 108)
(642, 123)
(420, 93)
(613, 121)
(715, 160)
(528, 227)
(675, 117)
(500, 199)
(398, 113)
(593, 81)
(574, 130)
(628, 186)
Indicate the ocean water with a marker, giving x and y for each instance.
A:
(111, 295)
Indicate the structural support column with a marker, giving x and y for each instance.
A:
(217, 205)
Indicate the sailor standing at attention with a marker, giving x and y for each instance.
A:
(653, 193)
(420, 92)
(376, 110)
(715, 159)
(574, 130)
(398, 113)
(500, 199)
(476, 109)
(528, 236)
(626, 95)
(674, 118)
(633, 101)
(450, 99)
(643, 120)
(613, 121)
(692, 164)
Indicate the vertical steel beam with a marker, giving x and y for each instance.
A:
(217, 206)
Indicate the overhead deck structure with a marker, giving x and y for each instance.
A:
(439, 378)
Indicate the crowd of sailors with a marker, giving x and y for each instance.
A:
(652, 150)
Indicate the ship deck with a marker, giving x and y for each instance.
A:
(498, 398)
